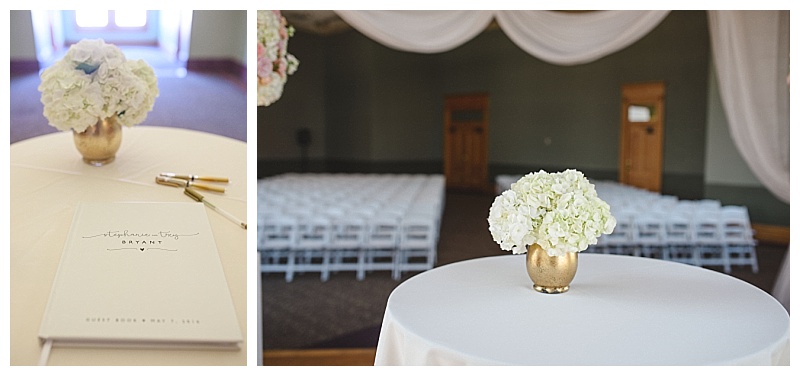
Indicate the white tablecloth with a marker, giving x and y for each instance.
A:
(620, 310)
(48, 179)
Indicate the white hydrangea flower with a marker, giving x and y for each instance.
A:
(559, 211)
(94, 81)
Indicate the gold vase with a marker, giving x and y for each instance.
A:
(99, 143)
(550, 274)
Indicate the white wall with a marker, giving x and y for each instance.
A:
(219, 34)
(724, 165)
(22, 42)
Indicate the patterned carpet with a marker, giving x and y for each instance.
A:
(346, 313)
(307, 313)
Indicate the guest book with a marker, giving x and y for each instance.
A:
(140, 275)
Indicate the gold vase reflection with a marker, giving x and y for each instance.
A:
(550, 274)
(99, 143)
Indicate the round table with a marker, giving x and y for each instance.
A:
(620, 310)
(49, 179)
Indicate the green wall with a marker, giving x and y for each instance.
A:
(577, 107)
(374, 109)
(301, 106)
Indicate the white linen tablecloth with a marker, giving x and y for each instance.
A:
(49, 178)
(620, 310)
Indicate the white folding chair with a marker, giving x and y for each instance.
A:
(706, 236)
(739, 213)
(346, 245)
(620, 241)
(678, 239)
(737, 238)
(310, 252)
(276, 238)
(381, 244)
(648, 235)
(417, 244)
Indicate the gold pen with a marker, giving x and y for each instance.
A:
(195, 177)
(199, 198)
(176, 182)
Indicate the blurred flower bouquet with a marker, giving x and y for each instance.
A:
(275, 64)
(94, 81)
(559, 211)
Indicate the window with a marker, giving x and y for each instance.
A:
(111, 19)
(91, 18)
(131, 18)
(639, 114)
(129, 27)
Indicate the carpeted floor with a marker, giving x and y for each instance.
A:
(208, 102)
(346, 313)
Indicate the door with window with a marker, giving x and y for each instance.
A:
(642, 133)
(466, 123)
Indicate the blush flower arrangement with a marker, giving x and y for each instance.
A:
(275, 64)
(95, 81)
(560, 212)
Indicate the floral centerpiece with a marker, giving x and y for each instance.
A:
(95, 81)
(552, 217)
(275, 64)
(558, 211)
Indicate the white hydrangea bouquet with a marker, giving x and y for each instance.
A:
(275, 64)
(558, 211)
(95, 81)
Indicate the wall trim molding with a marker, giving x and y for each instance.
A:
(23, 67)
(225, 66)
(272, 167)
(320, 357)
(771, 234)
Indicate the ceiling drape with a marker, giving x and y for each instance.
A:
(556, 37)
(423, 31)
(576, 38)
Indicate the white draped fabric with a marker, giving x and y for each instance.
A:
(423, 31)
(753, 87)
(555, 37)
(751, 53)
(570, 38)
(781, 289)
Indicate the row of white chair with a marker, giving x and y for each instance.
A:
(350, 244)
(394, 228)
(720, 237)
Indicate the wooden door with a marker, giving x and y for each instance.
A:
(642, 133)
(466, 122)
